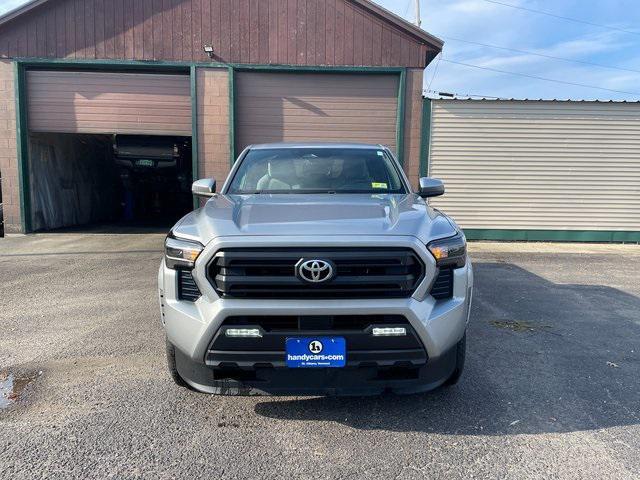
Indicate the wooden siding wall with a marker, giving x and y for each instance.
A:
(295, 32)
(8, 151)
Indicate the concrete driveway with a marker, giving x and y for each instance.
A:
(551, 388)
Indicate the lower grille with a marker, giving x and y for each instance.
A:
(363, 348)
(443, 286)
(187, 288)
(359, 273)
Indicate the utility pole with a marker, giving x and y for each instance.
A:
(418, 20)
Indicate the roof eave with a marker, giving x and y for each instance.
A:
(401, 23)
(16, 12)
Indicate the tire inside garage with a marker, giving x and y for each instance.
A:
(108, 149)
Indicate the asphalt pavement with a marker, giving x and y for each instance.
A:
(551, 387)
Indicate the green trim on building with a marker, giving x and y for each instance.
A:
(232, 116)
(104, 64)
(315, 69)
(402, 87)
(164, 65)
(195, 169)
(425, 137)
(22, 141)
(553, 235)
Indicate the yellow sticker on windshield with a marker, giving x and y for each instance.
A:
(378, 185)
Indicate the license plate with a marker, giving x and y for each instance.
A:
(145, 163)
(316, 352)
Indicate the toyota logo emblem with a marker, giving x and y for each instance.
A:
(315, 271)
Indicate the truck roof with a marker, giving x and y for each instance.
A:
(267, 146)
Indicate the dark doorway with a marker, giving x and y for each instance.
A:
(81, 180)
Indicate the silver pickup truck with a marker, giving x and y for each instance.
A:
(315, 271)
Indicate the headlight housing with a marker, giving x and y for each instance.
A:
(451, 251)
(180, 253)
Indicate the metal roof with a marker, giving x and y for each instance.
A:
(498, 99)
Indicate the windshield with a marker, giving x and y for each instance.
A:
(317, 170)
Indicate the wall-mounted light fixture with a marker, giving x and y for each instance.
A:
(208, 49)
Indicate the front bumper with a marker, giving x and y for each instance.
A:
(439, 326)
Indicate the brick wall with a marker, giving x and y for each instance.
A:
(413, 125)
(213, 123)
(8, 149)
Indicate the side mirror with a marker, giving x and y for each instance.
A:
(430, 187)
(204, 188)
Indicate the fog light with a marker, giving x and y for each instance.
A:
(243, 332)
(389, 331)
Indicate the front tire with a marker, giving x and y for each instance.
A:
(461, 353)
(171, 365)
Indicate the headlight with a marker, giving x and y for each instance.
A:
(181, 253)
(450, 251)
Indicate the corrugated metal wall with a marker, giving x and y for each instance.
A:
(538, 165)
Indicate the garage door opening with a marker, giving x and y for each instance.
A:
(108, 181)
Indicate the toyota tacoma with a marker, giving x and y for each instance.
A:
(316, 270)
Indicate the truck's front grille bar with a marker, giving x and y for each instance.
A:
(359, 273)
(187, 288)
(443, 286)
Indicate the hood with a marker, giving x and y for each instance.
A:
(319, 214)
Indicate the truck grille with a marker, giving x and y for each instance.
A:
(359, 273)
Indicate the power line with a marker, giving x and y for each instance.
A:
(575, 84)
(406, 10)
(584, 62)
(568, 19)
(435, 70)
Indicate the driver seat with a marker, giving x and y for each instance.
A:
(278, 176)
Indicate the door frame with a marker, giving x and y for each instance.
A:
(21, 66)
(401, 72)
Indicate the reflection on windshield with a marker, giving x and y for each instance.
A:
(317, 170)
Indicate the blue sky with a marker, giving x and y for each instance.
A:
(489, 23)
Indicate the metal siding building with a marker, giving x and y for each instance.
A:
(94, 67)
(538, 170)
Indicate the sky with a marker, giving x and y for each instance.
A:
(493, 24)
(497, 25)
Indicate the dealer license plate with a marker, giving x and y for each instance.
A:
(316, 352)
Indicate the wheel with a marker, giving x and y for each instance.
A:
(171, 364)
(461, 351)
